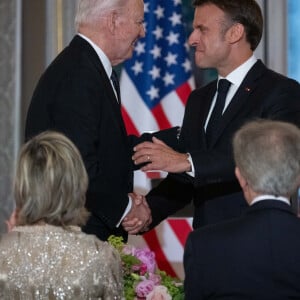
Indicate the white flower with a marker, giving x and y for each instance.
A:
(159, 292)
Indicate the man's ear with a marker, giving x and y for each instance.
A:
(240, 178)
(235, 33)
(112, 21)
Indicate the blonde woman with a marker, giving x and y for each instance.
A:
(46, 256)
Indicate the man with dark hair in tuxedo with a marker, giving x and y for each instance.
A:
(201, 170)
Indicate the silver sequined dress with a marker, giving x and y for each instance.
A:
(48, 262)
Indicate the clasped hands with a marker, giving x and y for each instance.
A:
(139, 217)
(158, 156)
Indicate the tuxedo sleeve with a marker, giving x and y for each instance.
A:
(168, 136)
(172, 194)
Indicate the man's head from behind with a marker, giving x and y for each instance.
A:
(267, 157)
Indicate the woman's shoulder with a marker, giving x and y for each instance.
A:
(7, 239)
(102, 248)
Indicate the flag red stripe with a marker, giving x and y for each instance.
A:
(183, 92)
(130, 127)
(181, 229)
(154, 245)
(161, 117)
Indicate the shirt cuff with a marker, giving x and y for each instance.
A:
(192, 172)
(128, 208)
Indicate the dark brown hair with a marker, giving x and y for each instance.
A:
(245, 12)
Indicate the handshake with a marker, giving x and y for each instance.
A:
(139, 217)
(156, 155)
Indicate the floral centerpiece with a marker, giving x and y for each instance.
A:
(142, 278)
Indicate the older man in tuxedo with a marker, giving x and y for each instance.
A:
(255, 256)
(225, 35)
(78, 95)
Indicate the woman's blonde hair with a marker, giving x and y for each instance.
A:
(50, 182)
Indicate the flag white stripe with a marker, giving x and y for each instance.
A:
(192, 83)
(137, 110)
(173, 108)
(171, 247)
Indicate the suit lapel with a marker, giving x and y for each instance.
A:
(113, 102)
(241, 96)
(111, 97)
(201, 109)
(207, 100)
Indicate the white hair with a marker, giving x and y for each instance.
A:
(89, 11)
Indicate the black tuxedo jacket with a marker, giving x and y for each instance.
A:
(75, 96)
(256, 256)
(214, 190)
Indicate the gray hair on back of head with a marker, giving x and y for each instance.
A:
(268, 156)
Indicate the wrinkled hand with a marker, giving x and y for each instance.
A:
(139, 217)
(160, 156)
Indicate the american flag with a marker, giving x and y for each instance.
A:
(157, 81)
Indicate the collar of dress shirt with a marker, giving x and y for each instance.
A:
(270, 197)
(102, 56)
(237, 76)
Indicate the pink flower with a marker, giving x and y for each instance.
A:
(129, 250)
(143, 269)
(142, 279)
(143, 288)
(147, 257)
(140, 269)
(159, 293)
(155, 278)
